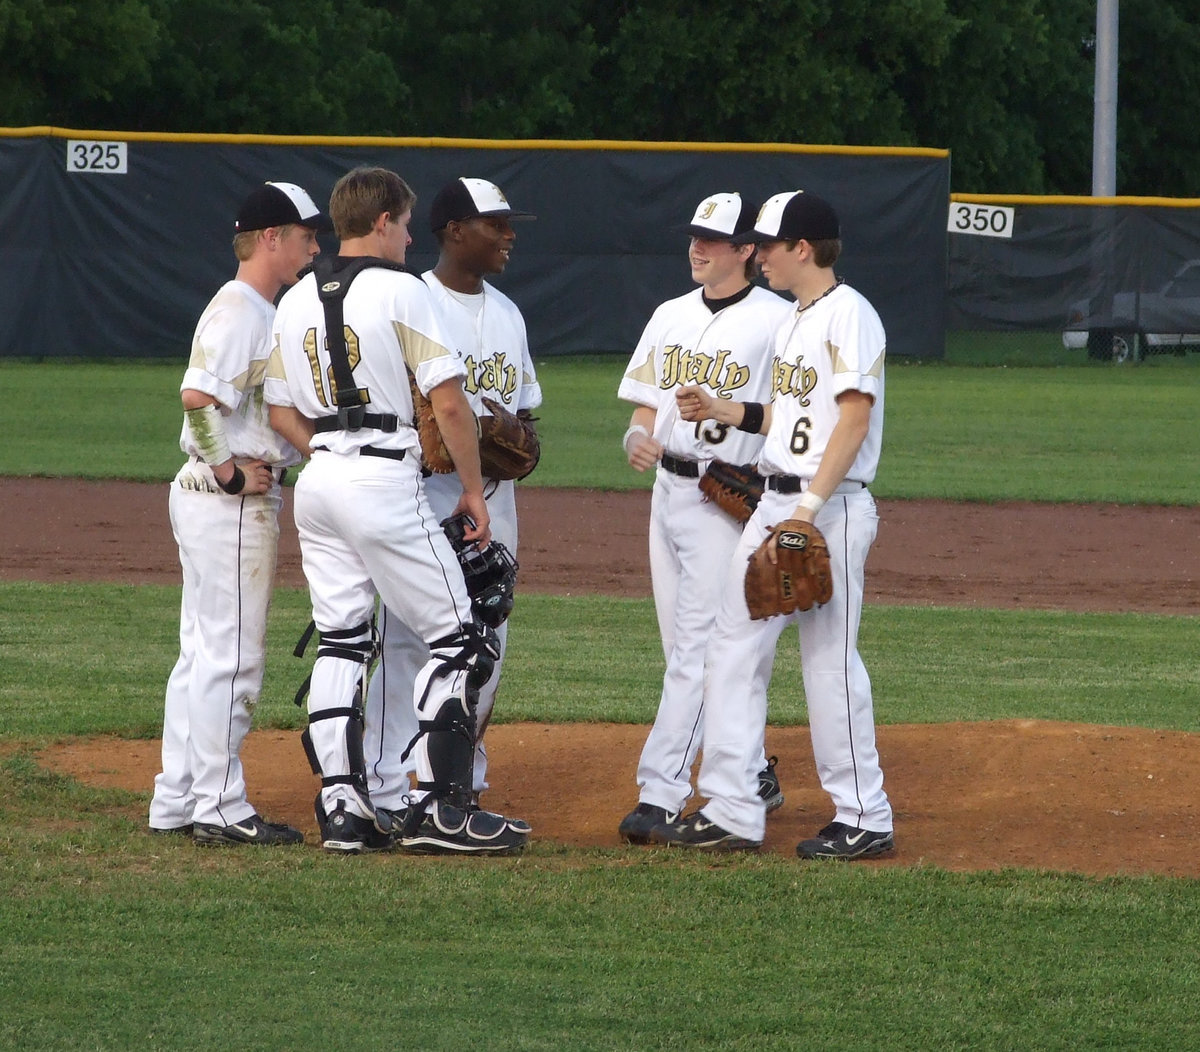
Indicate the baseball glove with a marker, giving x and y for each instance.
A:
(800, 578)
(508, 443)
(735, 488)
(434, 454)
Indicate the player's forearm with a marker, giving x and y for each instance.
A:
(294, 426)
(460, 433)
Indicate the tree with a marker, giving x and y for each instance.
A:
(66, 62)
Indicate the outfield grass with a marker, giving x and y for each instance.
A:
(115, 940)
(1081, 433)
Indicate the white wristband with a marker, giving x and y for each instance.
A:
(635, 429)
(208, 432)
(808, 499)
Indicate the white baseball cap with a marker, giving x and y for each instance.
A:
(722, 216)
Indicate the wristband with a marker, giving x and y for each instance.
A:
(208, 432)
(236, 483)
(635, 429)
(752, 418)
(808, 499)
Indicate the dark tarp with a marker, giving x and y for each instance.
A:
(1131, 267)
(121, 265)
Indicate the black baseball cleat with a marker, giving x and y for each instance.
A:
(769, 790)
(840, 841)
(635, 827)
(344, 833)
(252, 830)
(697, 831)
(183, 830)
(440, 828)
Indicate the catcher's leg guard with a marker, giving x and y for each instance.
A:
(333, 739)
(446, 821)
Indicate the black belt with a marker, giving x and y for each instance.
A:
(387, 454)
(388, 422)
(796, 484)
(688, 469)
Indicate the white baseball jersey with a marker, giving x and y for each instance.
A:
(691, 539)
(227, 549)
(489, 336)
(229, 360)
(392, 322)
(836, 345)
(686, 343)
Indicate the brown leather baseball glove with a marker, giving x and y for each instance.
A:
(799, 579)
(735, 488)
(434, 454)
(509, 447)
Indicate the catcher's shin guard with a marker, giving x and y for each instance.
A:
(450, 748)
(333, 740)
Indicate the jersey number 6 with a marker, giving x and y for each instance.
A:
(800, 441)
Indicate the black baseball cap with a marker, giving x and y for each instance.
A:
(467, 199)
(793, 216)
(279, 204)
(722, 217)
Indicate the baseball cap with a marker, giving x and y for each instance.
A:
(793, 216)
(722, 216)
(468, 198)
(278, 204)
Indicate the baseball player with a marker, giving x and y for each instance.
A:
(224, 508)
(366, 526)
(823, 425)
(718, 335)
(472, 222)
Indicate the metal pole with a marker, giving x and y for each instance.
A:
(1104, 126)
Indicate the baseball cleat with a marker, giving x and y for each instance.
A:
(448, 830)
(635, 827)
(769, 790)
(183, 830)
(344, 833)
(252, 830)
(697, 831)
(840, 841)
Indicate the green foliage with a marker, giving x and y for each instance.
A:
(66, 60)
(1006, 85)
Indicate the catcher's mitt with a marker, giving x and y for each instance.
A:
(800, 578)
(434, 454)
(491, 574)
(508, 443)
(735, 488)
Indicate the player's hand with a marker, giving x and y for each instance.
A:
(644, 452)
(694, 403)
(259, 477)
(475, 506)
(257, 474)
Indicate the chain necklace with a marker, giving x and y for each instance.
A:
(810, 303)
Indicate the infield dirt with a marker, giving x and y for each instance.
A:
(968, 796)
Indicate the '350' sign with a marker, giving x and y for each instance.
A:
(982, 220)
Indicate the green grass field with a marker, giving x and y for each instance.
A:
(115, 940)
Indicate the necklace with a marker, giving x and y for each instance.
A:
(801, 310)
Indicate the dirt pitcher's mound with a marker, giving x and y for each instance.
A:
(968, 796)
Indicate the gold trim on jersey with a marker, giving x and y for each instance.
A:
(418, 347)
